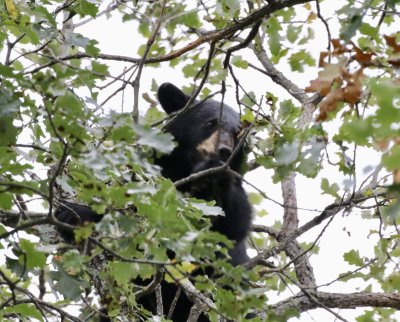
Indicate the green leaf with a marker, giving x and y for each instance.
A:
(70, 287)
(78, 40)
(2, 231)
(391, 159)
(287, 110)
(24, 310)
(287, 14)
(73, 262)
(393, 282)
(8, 132)
(123, 273)
(367, 29)
(192, 68)
(178, 271)
(357, 130)
(208, 209)
(189, 19)
(154, 138)
(293, 32)
(34, 258)
(123, 133)
(46, 14)
(144, 28)
(69, 102)
(88, 8)
(353, 258)
(249, 100)
(328, 189)
(349, 30)
(308, 167)
(368, 316)
(91, 48)
(392, 213)
(6, 200)
(239, 62)
(228, 9)
(287, 153)
(83, 232)
(306, 39)
(255, 198)
(247, 116)
(274, 39)
(219, 76)
(274, 44)
(31, 31)
(153, 115)
(298, 60)
(387, 93)
(99, 68)
(6, 71)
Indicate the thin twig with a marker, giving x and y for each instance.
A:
(325, 24)
(136, 82)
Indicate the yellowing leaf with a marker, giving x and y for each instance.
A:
(11, 8)
(179, 272)
(311, 17)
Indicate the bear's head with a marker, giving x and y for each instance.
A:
(206, 134)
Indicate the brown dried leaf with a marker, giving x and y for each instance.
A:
(394, 61)
(329, 104)
(396, 176)
(326, 78)
(338, 48)
(391, 42)
(381, 144)
(331, 72)
(148, 99)
(318, 85)
(322, 56)
(352, 93)
(361, 57)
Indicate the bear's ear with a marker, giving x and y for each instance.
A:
(172, 99)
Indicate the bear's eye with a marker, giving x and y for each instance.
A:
(212, 123)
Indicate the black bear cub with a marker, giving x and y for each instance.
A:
(206, 136)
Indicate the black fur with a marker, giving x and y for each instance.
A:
(190, 130)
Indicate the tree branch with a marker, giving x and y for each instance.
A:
(304, 270)
(212, 36)
(302, 303)
(136, 82)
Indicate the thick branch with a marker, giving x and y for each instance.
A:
(304, 271)
(213, 36)
(302, 302)
(278, 77)
(290, 219)
(334, 208)
(329, 211)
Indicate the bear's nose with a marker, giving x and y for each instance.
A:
(225, 145)
(224, 152)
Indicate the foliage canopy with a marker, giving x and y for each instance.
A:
(76, 121)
